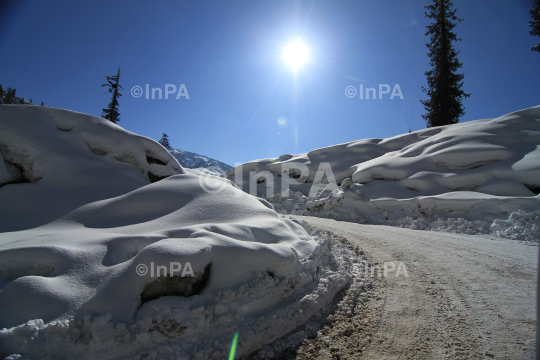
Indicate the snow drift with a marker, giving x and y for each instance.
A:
(62, 160)
(110, 249)
(481, 170)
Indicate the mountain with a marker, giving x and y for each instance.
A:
(193, 161)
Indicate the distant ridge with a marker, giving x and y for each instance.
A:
(193, 161)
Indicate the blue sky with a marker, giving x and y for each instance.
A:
(229, 56)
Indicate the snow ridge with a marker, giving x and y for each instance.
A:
(479, 171)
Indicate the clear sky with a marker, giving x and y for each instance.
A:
(229, 56)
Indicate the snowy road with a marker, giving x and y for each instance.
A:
(464, 297)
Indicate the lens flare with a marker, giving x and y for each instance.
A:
(232, 353)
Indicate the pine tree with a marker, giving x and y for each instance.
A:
(111, 113)
(9, 96)
(535, 23)
(165, 142)
(42, 103)
(445, 92)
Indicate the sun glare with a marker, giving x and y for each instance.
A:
(295, 54)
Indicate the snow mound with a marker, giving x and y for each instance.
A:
(254, 264)
(168, 269)
(54, 153)
(480, 170)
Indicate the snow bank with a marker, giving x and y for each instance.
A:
(74, 286)
(55, 153)
(121, 253)
(519, 225)
(481, 170)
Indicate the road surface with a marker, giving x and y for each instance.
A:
(465, 297)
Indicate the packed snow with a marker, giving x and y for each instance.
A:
(110, 249)
(478, 177)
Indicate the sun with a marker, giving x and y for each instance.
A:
(295, 54)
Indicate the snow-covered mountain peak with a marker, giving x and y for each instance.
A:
(195, 161)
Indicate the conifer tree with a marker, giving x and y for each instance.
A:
(111, 113)
(165, 142)
(1, 95)
(444, 90)
(535, 23)
(9, 96)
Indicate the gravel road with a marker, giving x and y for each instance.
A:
(465, 297)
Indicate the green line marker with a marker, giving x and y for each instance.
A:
(233, 346)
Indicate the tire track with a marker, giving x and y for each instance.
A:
(466, 297)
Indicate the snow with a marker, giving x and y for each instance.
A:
(8, 172)
(101, 219)
(61, 152)
(478, 172)
(203, 163)
(95, 220)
